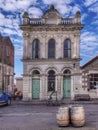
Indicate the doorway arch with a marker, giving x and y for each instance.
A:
(35, 84)
(67, 83)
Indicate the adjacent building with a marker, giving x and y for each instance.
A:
(19, 83)
(51, 55)
(6, 63)
(90, 77)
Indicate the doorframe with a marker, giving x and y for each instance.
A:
(36, 77)
(65, 77)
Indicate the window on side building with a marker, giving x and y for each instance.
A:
(35, 49)
(67, 48)
(93, 79)
(51, 49)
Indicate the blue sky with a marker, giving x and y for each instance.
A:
(11, 12)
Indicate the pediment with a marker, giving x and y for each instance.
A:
(52, 16)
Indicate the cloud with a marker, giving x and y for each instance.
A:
(35, 12)
(16, 5)
(55, 2)
(94, 8)
(89, 44)
(83, 17)
(62, 5)
(89, 2)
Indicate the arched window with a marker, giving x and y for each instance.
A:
(51, 80)
(35, 49)
(35, 72)
(51, 48)
(67, 72)
(67, 48)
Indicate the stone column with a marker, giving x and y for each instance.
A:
(30, 87)
(26, 51)
(26, 88)
(43, 46)
(77, 46)
(61, 83)
(59, 46)
(45, 87)
(41, 87)
(59, 87)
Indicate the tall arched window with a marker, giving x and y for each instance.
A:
(51, 80)
(51, 48)
(35, 49)
(67, 48)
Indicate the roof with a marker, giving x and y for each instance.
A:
(89, 62)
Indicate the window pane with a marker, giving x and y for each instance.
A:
(36, 48)
(93, 81)
(67, 48)
(51, 48)
(65, 53)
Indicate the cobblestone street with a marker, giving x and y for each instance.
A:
(41, 117)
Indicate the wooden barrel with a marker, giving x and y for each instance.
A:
(77, 116)
(63, 116)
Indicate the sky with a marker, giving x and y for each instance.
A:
(11, 12)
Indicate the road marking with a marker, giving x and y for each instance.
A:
(24, 114)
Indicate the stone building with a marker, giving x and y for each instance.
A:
(51, 55)
(90, 77)
(6, 64)
(19, 84)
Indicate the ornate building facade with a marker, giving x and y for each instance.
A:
(6, 64)
(51, 55)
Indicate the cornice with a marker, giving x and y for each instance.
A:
(51, 60)
(69, 27)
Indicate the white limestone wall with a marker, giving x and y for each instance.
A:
(43, 68)
(26, 88)
(59, 37)
(44, 65)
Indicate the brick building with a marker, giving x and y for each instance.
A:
(6, 63)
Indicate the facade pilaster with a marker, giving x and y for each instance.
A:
(26, 88)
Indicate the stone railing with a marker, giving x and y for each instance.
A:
(68, 21)
(39, 21)
(36, 21)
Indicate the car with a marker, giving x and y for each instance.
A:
(5, 99)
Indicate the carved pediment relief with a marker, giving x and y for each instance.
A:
(52, 16)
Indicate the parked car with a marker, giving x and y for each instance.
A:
(5, 98)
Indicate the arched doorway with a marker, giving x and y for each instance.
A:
(35, 84)
(67, 84)
(51, 81)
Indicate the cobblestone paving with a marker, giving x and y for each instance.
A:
(41, 117)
